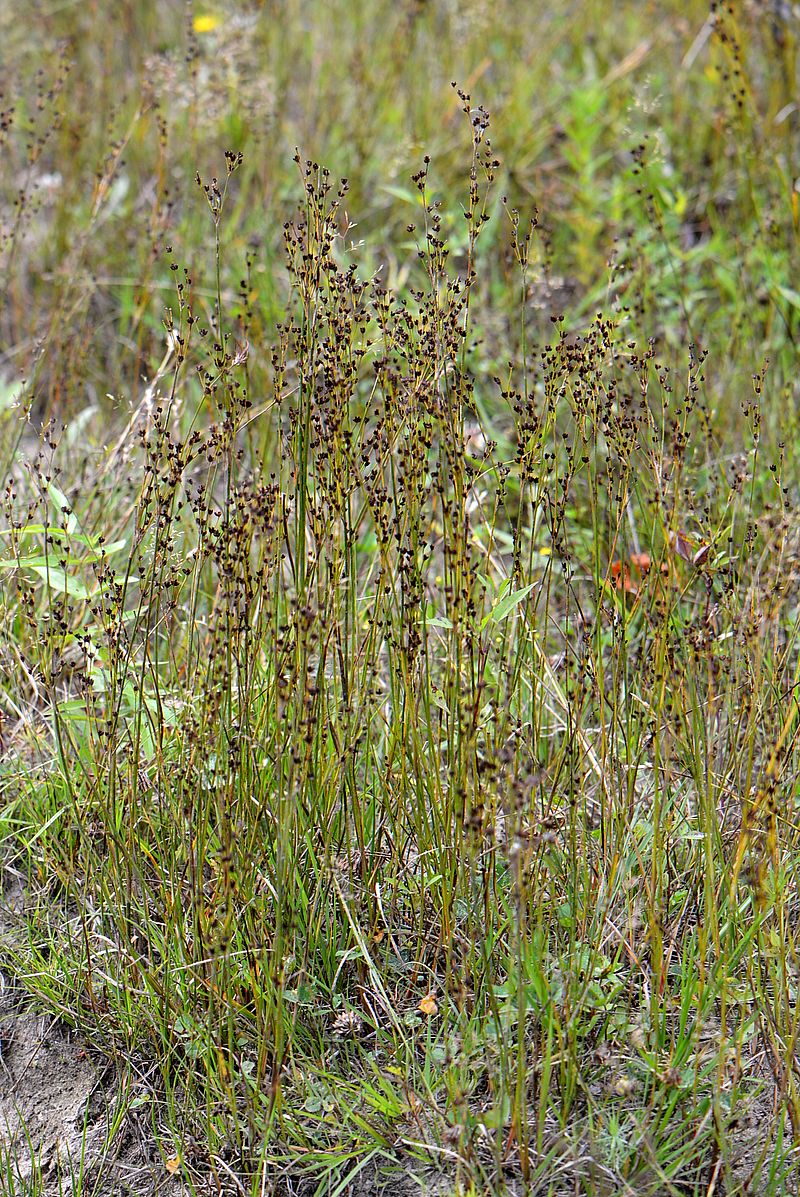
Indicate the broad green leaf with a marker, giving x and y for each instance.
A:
(32, 530)
(401, 193)
(40, 559)
(504, 606)
(98, 551)
(791, 296)
(10, 395)
(59, 500)
(61, 581)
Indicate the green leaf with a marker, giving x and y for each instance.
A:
(505, 605)
(791, 296)
(61, 581)
(401, 193)
(97, 551)
(10, 395)
(32, 530)
(59, 501)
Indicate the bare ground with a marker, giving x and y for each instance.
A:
(63, 1131)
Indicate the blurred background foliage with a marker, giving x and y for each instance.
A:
(657, 144)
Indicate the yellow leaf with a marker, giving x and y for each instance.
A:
(428, 1005)
(206, 22)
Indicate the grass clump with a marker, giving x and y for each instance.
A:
(399, 686)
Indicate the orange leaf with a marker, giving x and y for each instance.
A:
(428, 1005)
(621, 576)
(626, 575)
(640, 562)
